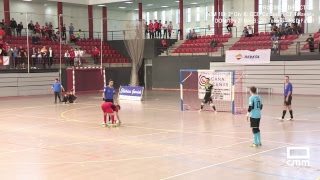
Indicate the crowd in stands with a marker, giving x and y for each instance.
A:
(155, 29)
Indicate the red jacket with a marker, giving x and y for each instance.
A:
(72, 54)
(156, 25)
(96, 52)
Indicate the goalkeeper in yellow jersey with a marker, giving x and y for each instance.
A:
(207, 97)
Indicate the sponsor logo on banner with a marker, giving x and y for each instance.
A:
(4, 60)
(222, 84)
(131, 92)
(260, 56)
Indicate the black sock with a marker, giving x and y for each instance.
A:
(201, 106)
(214, 108)
(291, 114)
(284, 113)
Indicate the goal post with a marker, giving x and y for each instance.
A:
(227, 93)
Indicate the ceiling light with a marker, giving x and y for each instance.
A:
(26, 0)
(128, 2)
(101, 5)
(122, 7)
(149, 5)
(136, 9)
(194, 3)
(164, 6)
(177, 1)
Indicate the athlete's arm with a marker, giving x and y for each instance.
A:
(117, 114)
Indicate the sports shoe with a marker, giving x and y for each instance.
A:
(104, 124)
(215, 112)
(280, 119)
(200, 110)
(290, 119)
(253, 145)
(260, 144)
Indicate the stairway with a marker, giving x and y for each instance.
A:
(292, 49)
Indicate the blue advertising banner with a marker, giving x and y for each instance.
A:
(131, 92)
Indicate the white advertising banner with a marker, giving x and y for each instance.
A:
(221, 81)
(260, 56)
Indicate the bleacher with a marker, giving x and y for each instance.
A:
(109, 55)
(263, 41)
(316, 37)
(202, 44)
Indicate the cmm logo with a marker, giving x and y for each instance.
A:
(202, 80)
(239, 56)
(298, 156)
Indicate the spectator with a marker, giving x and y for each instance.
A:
(229, 24)
(165, 29)
(170, 28)
(2, 23)
(10, 54)
(73, 38)
(194, 34)
(31, 27)
(71, 29)
(155, 26)
(13, 26)
(15, 57)
(244, 32)
(33, 54)
(64, 30)
(96, 54)
(79, 35)
(146, 30)
(271, 22)
(37, 28)
(76, 58)
(44, 56)
(159, 29)
(214, 43)
(72, 55)
(19, 29)
(39, 56)
(43, 31)
(66, 58)
(250, 31)
(81, 56)
(50, 55)
(22, 57)
(189, 35)
(310, 40)
(2, 33)
(275, 46)
(151, 30)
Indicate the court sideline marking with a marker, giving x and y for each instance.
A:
(224, 162)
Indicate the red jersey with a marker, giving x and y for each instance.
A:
(156, 25)
(96, 52)
(107, 107)
(151, 27)
(2, 32)
(230, 22)
(159, 25)
(72, 54)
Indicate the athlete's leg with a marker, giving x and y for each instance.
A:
(212, 105)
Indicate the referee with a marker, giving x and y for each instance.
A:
(287, 99)
(57, 87)
(109, 92)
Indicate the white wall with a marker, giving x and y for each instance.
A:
(233, 8)
(76, 14)
(304, 75)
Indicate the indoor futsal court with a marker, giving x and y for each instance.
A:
(42, 140)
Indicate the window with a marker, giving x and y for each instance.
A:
(197, 29)
(188, 15)
(197, 14)
(178, 16)
(206, 14)
(309, 19)
(163, 16)
(155, 15)
(297, 5)
(148, 17)
(260, 7)
(170, 15)
(309, 5)
(284, 6)
(270, 6)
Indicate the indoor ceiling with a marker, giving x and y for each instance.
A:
(131, 5)
(153, 4)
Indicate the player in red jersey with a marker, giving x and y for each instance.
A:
(110, 109)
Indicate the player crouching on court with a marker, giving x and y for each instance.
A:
(69, 97)
(109, 109)
(254, 111)
(207, 97)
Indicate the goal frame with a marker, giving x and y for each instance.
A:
(197, 70)
(103, 73)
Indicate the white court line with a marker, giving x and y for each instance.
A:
(212, 165)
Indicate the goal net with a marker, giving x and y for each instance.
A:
(86, 79)
(227, 92)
